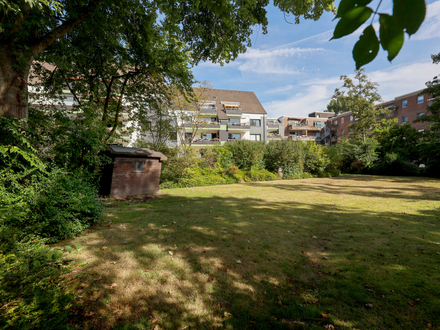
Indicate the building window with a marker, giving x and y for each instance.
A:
(255, 137)
(255, 122)
(173, 136)
(342, 120)
(404, 103)
(188, 136)
(351, 118)
(206, 136)
(317, 124)
(234, 120)
(420, 99)
(234, 136)
(139, 166)
(404, 119)
(317, 134)
(293, 134)
(420, 114)
(342, 132)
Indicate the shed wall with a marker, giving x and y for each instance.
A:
(127, 182)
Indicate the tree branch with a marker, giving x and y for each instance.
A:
(70, 88)
(119, 107)
(49, 38)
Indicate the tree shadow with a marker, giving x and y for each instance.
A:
(257, 263)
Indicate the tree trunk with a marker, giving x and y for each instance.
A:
(13, 84)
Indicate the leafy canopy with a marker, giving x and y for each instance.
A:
(407, 16)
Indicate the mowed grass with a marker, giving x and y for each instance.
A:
(353, 252)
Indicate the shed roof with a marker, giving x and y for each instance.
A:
(137, 152)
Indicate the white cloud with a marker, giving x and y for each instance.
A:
(431, 26)
(278, 52)
(279, 89)
(274, 61)
(404, 78)
(314, 98)
(395, 81)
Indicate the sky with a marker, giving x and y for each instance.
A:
(294, 68)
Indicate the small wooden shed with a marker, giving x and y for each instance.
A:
(133, 171)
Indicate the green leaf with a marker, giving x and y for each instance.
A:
(351, 21)
(68, 249)
(57, 254)
(367, 47)
(346, 5)
(50, 256)
(391, 35)
(409, 14)
(36, 263)
(77, 246)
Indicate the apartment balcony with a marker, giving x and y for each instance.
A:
(206, 142)
(275, 125)
(333, 128)
(238, 127)
(300, 127)
(391, 114)
(203, 127)
(234, 112)
(209, 111)
(334, 139)
(305, 138)
(274, 137)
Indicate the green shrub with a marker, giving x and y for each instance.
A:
(286, 154)
(224, 157)
(247, 154)
(31, 293)
(260, 175)
(55, 206)
(315, 160)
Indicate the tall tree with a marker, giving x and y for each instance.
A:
(216, 31)
(430, 143)
(360, 96)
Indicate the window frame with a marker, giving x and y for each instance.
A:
(422, 97)
(253, 122)
(256, 135)
(404, 122)
(139, 166)
(404, 103)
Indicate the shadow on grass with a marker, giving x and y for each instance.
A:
(257, 263)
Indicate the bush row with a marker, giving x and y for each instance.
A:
(246, 161)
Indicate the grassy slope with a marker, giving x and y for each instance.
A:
(278, 255)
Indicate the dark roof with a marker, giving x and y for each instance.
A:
(249, 102)
(137, 152)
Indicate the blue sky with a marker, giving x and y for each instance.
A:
(294, 68)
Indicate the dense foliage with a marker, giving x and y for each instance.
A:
(40, 203)
(246, 161)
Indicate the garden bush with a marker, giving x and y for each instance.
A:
(32, 294)
(247, 154)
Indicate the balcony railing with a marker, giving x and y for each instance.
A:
(305, 138)
(208, 111)
(206, 141)
(239, 126)
(300, 127)
(237, 111)
(274, 137)
(213, 125)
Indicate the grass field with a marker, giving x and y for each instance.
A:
(353, 252)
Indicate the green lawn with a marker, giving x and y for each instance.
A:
(353, 252)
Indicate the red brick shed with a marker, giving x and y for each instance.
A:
(133, 171)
